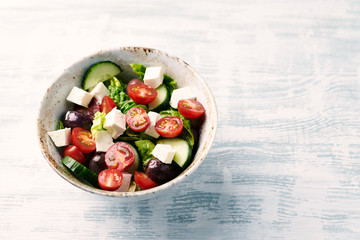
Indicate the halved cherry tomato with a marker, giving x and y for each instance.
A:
(137, 119)
(143, 181)
(107, 104)
(132, 82)
(141, 93)
(120, 156)
(73, 152)
(190, 108)
(169, 126)
(83, 140)
(110, 179)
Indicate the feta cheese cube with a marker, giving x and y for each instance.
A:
(100, 91)
(79, 97)
(115, 123)
(154, 76)
(103, 140)
(150, 130)
(181, 93)
(125, 183)
(164, 152)
(61, 137)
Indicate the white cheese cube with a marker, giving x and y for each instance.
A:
(103, 140)
(179, 94)
(79, 97)
(150, 130)
(100, 91)
(125, 183)
(154, 76)
(164, 152)
(61, 137)
(115, 123)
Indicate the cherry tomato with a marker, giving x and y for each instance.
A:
(169, 126)
(107, 104)
(137, 119)
(132, 82)
(190, 108)
(110, 179)
(144, 181)
(73, 152)
(120, 156)
(83, 140)
(141, 93)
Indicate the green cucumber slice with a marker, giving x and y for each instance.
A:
(182, 150)
(136, 163)
(162, 99)
(81, 171)
(99, 72)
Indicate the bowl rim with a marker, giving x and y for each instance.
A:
(189, 170)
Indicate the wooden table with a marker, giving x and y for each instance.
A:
(286, 160)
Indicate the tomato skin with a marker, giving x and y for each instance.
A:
(120, 156)
(190, 108)
(132, 82)
(169, 127)
(143, 181)
(107, 104)
(83, 140)
(141, 93)
(110, 179)
(137, 119)
(75, 153)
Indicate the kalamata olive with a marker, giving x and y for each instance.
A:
(97, 163)
(197, 122)
(77, 119)
(195, 134)
(161, 172)
(94, 106)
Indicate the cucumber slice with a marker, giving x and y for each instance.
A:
(182, 150)
(81, 171)
(162, 99)
(136, 163)
(99, 72)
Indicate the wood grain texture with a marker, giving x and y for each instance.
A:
(285, 163)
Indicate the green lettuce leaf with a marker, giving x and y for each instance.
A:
(186, 133)
(115, 88)
(170, 83)
(145, 148)
(122, 100)
(126, 103)
(131, 135)
(60, 125)
(98, 123)
(139, 70)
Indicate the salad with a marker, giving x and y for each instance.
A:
(128, 135)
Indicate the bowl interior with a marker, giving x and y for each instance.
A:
(54, 105)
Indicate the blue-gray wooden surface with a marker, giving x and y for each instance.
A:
(286, 160)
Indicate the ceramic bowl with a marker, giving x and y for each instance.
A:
(54, 105)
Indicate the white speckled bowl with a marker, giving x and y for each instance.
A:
(54, 105)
